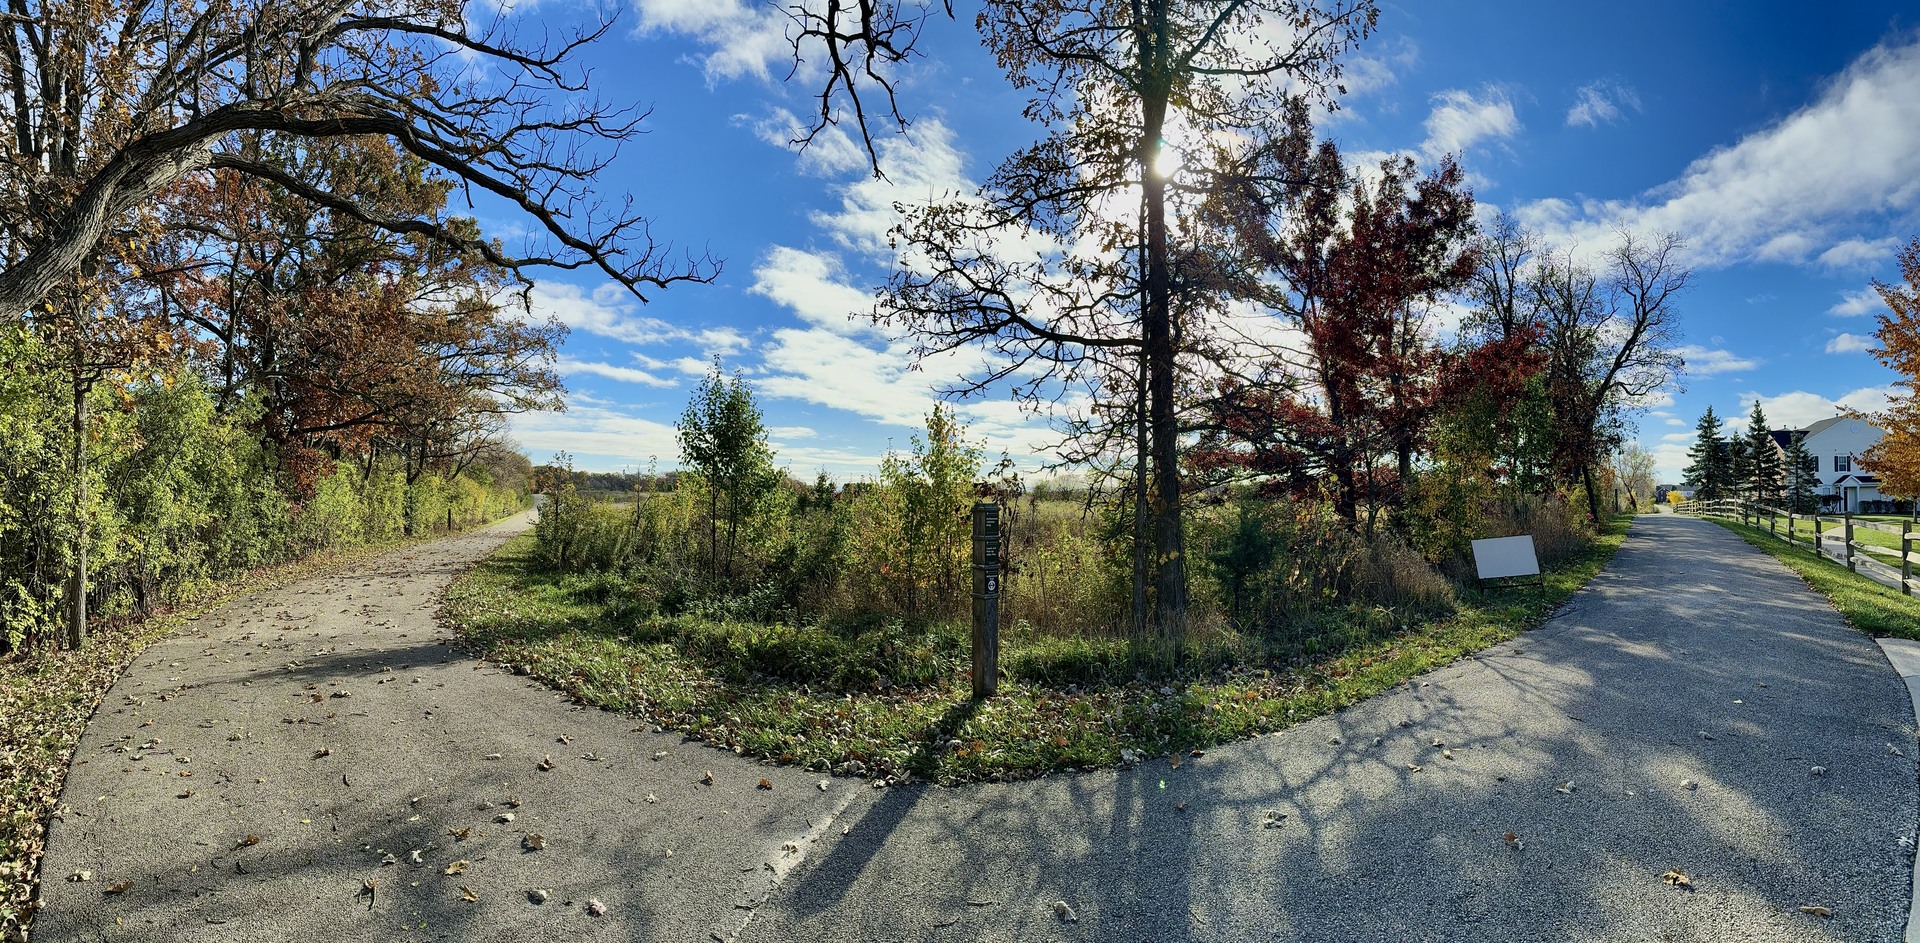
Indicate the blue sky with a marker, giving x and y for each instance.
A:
(1782, 143)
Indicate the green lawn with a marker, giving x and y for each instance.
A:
(894, 699)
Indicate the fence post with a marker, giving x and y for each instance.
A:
(1773, 522)
(1789, 527)
(1846, 521)
(1906, 557)
(1817, 548)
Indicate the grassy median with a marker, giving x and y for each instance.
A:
(893, 699)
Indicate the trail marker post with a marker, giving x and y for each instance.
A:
(986, 599)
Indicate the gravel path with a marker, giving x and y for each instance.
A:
(1669, 717)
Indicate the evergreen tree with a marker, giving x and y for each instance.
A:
(1710, 474)
(1739, 467)
(1767, 470)
(1802, 477)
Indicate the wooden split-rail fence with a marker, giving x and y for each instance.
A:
(1834, 536)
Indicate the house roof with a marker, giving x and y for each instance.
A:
(1783, 438)
(1822, 425)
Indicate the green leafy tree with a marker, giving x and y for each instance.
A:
(1710, 473)
(723, 439)
(1767, 471)
(925, 497)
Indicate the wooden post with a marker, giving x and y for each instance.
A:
(1789, 527)
(1906, 557)
(1816, 533)
(986, 599)
(1846, 521)
(1773, 522)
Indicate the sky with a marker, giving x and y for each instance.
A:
(1781, 143)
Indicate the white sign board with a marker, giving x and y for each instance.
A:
(1505, 556)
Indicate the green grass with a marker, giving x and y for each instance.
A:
(1867, 606)
(893, 699)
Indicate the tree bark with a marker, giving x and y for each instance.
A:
(1170, 564)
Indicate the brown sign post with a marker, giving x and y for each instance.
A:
(986, 599)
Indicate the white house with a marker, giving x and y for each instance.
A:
(1836, 445)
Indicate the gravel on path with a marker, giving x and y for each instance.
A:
(249, 776)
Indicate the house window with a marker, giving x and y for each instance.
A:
(1843, 463)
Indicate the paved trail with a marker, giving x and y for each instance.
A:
(1693, 658)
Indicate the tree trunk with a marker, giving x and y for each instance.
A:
(77, 580)
(1593, 498)
(1170, 564)
(1142, 461)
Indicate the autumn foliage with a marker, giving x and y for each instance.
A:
(1896, 457)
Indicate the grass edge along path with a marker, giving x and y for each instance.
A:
(1868, 606)
(502, 611)
(47, 699)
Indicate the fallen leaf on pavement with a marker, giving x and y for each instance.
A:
(1677, 878)
(708, 779)
(659, 755)
(1566, 787)
(247, 842)
(467, 894)
(534, 842)
(323, 751)
(545, 764)
(369, 890)
(120, 888)
(1064, 912)
(1818, 771)
(460, 834)
(79, 876)
(458, 867)
(596, 908)
(765, 784)
(651, 798)
(1816, 911)
(1413, 767)
(539, 895)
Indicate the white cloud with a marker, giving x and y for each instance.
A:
(742, 38)
(831, 153)
(620, 439)
(568, 366)
(610, 311)
(1856, 303)
(1703, 361)
(1850, 344)
(1460, 120)
(1800, 409)
(1600, 102)
(1858, 252)
(1780, 193)
(813, 284)
(791, 432)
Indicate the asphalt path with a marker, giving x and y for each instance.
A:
(1669, 718)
